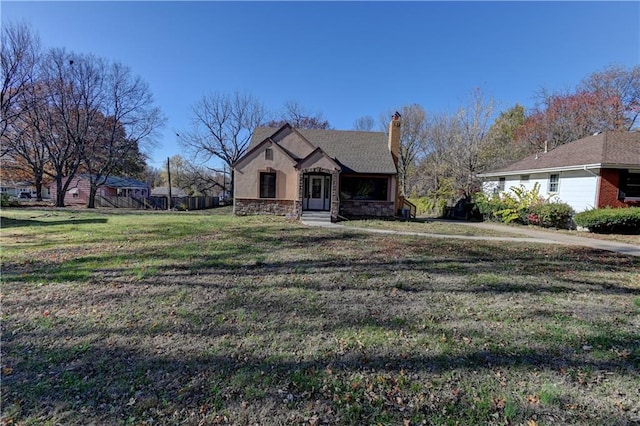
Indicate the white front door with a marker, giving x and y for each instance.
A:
(317, 193)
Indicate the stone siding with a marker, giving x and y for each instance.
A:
(243, 206)
(335, 179)
(367, 208)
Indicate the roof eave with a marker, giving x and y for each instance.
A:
(543, 170)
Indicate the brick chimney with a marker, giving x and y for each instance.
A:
(394, 137)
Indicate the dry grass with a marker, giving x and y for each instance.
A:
(212, 319)
(432, 227)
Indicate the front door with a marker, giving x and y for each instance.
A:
(317, 192)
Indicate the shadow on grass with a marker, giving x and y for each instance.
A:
(110, 384)
(14, 223)
(174, 361)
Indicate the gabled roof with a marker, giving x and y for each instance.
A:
(611, 149)
(266, 142)
(321, 153)
(117, 181)
(354, 151)
(163, 191)
(124, 182)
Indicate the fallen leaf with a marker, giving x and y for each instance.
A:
(533, 399)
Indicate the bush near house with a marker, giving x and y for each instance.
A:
(551, 215)
(610, 220)
(525, 207)
(8, 201)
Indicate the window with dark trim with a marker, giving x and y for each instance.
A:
(268, 154)
(524, 178)
(363, 188)
(554, 181)
(267, 185)
(501, 182)
(629, 185)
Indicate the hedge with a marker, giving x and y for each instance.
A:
(610, 220)
(551, 215)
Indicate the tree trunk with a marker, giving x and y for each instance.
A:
(93, 190)
(60, 192)
(38, 183)
(232, 184)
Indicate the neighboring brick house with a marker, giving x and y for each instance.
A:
(597, 171)
(288, 171)
(115, 186)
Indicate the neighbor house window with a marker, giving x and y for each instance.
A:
(267, 185)
(524, 178)
(629, 185)
(362, 188)
(268, 154)
(501, 182)
(554, 180)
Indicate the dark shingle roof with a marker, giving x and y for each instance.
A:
(355, 151)
(612, 148)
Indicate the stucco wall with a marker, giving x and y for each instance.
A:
(247, 177)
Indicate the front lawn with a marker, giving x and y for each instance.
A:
(195, 318)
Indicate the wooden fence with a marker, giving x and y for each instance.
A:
(158, 203)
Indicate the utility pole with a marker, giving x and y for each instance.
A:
(169, 178)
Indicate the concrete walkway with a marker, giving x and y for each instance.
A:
(531, 236)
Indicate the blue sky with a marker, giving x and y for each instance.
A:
(342, 59)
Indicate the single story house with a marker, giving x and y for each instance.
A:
(21, 189)
(163, 191)
(115, 186)
(602, 170)
(289, 171)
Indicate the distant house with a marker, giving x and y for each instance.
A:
(597, 171)
(289, 171)
(115, 186)
(163, 191)
(21, 189)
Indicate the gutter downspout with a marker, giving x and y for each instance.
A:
(597, 176)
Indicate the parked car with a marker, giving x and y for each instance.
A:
(25, 195)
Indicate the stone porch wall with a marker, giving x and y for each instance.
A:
(367, 208)
(335, 179)
(246, 206)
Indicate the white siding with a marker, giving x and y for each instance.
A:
(578, 188)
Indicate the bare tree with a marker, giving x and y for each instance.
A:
(222, 126)
(127, 120)
(20, 61)
(464, 154)
(452, 151)
(620, 89)
(365, 123)
(413, 137)
(299, 117)
(19, 56)
(71, 100)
